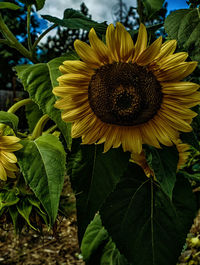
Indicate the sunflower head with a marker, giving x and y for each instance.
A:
(8, 144)
(122, 93)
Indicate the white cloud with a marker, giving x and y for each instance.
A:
(100, 10)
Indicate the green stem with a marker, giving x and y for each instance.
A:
(39, 127)
(28, 27)
(19, 104)
(198, 11)
(140, 11)
(41, 36)
(51, 129)
(13, 42)
(3, 41)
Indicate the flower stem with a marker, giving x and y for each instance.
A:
(19, 104)
(28, 27)
(140, 11)
(41, 36)
(39, 127)
(13, 42)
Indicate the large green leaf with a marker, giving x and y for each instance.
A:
(42, 163)
(147, 227)
(9, 119)
(33, 114)
(74, 19)
(54, 64)
(94, 175)
(112, 256)
(94, 236)
(164, 163)
(7, 5)
(98, 248)
(38, 81)
(184, 26)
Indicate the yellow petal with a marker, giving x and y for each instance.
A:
(132, 140)
(172, 73)
(148, 136)
(172, 60)
(190, 68)
(141, 42)
(11, 174)
(148, 55)
(76, 114)
(124, 43)
(179, 88)
(87, 54)
(167, 48)
(76, 67)
(188, 101)
(175, 122)
(62, 91)
(177, 109)
(82, 126)
(8, 140)
(3, 174)
(159, 133)
(74, 80)
(110, 42)
(165, 127)
(98, 46)
(10, 157)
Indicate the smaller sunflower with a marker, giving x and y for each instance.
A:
(140, 159)
(8, 145)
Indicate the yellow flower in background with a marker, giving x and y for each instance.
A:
(127, 94)
(140, 159)
(8, 144)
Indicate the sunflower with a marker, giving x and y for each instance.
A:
(8, 144)
(126, 94)
(140, 159)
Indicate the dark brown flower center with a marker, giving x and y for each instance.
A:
(124, 94)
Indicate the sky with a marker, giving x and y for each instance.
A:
(101, 10)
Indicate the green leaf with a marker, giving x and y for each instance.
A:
(25, 208)
(152, 6)
(164, 163)
(9, 119)
(112, 256)
(94, 175)
(8, 198)
(191, 139)
(39, 4)
(14, 215)
(8, 5)
(42, 163)
(35, 203)
(195, 177)
(54, 64)
(36, 80)
(94, 236)
(33, 114)
(147, 227)
(184, 26)
(74, 19)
